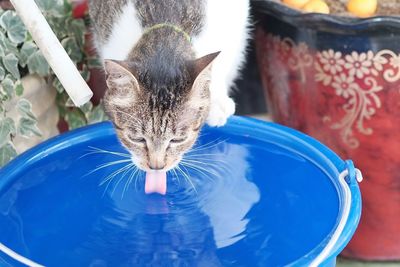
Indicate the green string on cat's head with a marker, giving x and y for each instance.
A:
(174, 27)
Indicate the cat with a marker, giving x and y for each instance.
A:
(169, 65)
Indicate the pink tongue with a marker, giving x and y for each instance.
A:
(156, 182)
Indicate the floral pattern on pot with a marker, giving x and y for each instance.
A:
(356, 77)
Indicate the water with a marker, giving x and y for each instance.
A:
(251, 206)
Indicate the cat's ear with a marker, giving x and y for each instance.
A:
(201, 75)
(121, 82)
(117, 74)
(202, 65)
(199, 95)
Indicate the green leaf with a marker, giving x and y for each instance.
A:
(7, 153)
(68, 7)
(86, 108)
(85, 73)
(16, 30)
(58, 26)
(75, 119)
(38, 64)
(72, 48)
(46, 5)
(77, 29)
(27, 127)
(24, 107)
(97, 115)
(51, 7)
(7, 45)
(2, 72)
(2, 53)
(27, 49)
(19, 88)
(7, 86)
(7, 128)
(10, 62)
(57, 84)
(69, 103)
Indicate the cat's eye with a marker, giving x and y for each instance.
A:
(138, 140)
(178, 140)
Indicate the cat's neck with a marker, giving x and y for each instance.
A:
(174, 27)
(162, 40)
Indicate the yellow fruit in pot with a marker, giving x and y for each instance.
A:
(362, 8)
(295, 3)
(316, 6)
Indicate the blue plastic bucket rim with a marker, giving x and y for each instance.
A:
(347, 185)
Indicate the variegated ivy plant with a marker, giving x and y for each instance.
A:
(20, 57)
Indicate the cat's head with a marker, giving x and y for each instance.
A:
(158, 119)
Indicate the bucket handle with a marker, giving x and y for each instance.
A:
(17, 257)
(348, 176)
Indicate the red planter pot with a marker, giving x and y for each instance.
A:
(338, 80)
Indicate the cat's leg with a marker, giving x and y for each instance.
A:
(221, 106)
(230, 37)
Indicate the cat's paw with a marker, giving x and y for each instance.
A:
(220, 111)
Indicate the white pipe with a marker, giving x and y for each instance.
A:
(53, 51)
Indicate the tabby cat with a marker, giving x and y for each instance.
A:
(169, 65)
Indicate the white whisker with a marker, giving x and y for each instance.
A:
(108, 164)
(186, 176)
(133, 169)
(121, 178)
(177, 177)
(203, 154)
(218, 164)
(198, 160)
(208, 145)
(136, 179)
(200, 169)
(95, 150)
(195, 169)
(112, 175)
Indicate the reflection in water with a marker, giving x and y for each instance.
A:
(150, 239)
(230, 196)
(185, 227)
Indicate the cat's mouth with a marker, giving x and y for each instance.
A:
(156, 182)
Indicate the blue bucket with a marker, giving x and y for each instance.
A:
(249, 194)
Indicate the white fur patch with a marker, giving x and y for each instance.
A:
(125, 33)
(226, 30)
(229, 34)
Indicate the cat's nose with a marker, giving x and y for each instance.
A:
(156, 167)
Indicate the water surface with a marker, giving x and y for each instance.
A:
(249, 203)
